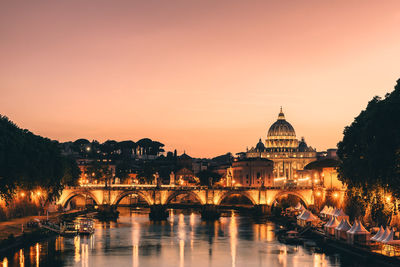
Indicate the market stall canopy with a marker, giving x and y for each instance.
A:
(351, 230)
(307, 216)
(384, 235)
(331, 211)
(339, 213)
(360, 229)
(334, 223)
(389, 238)
(301, 214)
(324, 210)
(378, 234)
(344, 225)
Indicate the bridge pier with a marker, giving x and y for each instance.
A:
(210, 212)
(107, 213)
(261, 210)
(158, 212)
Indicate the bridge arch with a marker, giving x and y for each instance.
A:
(293, 193)
(83, 194)
(148, 200)
(228, 194)
(190, 193)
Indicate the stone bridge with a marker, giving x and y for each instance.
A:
(163, 195)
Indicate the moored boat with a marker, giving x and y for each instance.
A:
(68, 229)
(85, 226)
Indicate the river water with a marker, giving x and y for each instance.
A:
(183, 240)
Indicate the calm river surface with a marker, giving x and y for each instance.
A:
(184, 240)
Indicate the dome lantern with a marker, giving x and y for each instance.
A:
(281, 116)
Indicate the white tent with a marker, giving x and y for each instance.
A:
(327, 211)
(340, 214)
(332, 212)
(330, 229)
(378, 234)
(389, 237)
(301, 214)
(323, 211)
(359, 234)
(343, 227)
(328, 223)
(351, 230)
(384, 235)
(306, 217)
(309, 217)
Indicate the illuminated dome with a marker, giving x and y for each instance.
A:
(281, 128)
(281, 135)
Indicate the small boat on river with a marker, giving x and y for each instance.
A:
(290, 237)
(68, 229)
(85, 226)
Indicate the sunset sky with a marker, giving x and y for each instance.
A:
(207, 77)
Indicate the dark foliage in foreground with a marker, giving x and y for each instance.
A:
(29, 161)
(370, 149)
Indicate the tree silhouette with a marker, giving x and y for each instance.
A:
(370, 149)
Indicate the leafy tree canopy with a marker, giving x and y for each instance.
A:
(208, 177)
(29, 161)
(370, 149)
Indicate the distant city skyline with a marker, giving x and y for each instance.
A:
(206, 77)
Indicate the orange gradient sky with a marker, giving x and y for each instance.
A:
(207, 77)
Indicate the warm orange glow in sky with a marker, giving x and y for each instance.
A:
(204, 76)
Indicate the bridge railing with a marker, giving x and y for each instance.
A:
(171, 187)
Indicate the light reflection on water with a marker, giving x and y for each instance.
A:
(184, 240)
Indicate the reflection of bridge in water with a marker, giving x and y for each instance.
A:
(165, 195)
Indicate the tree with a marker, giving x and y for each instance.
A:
(208, 178)
(109, 147)
(145, 143)
(100, 172)
(127, 148)
(146, 173)
(370, 158)
(370, 149)
(29, 161)
(156, 148)
(123, 169)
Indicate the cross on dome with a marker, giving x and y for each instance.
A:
(281, 116)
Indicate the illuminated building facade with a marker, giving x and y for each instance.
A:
(254, 172)
(288, 154)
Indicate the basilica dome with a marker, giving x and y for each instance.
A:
(281, 129)
(281, 136)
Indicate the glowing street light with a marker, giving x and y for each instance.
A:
(335, 195)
